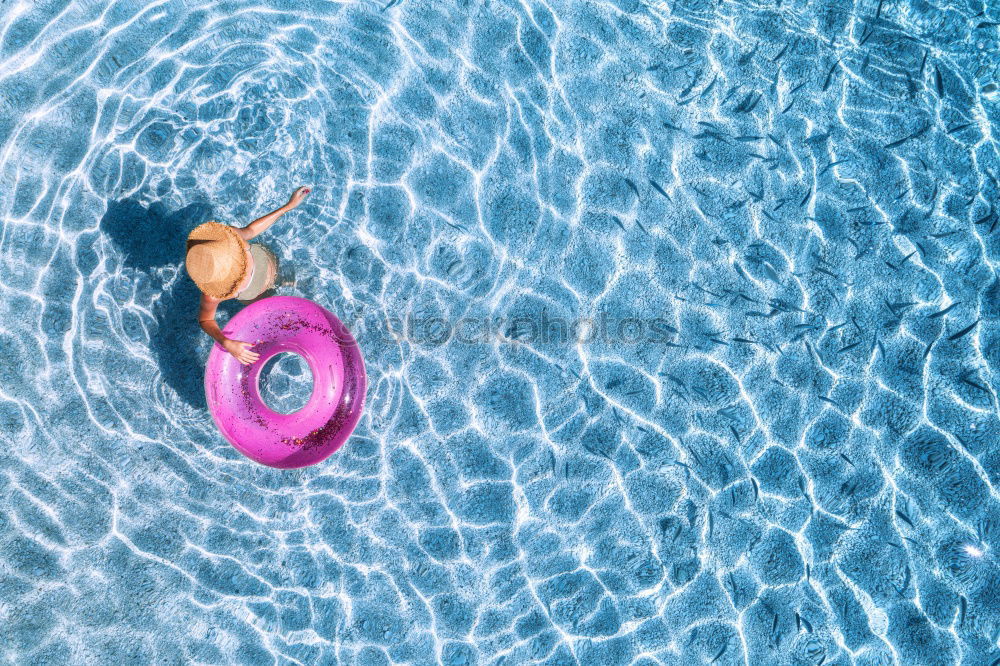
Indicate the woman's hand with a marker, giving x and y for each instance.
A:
(262, 224)
(297, 197)
(241, 350)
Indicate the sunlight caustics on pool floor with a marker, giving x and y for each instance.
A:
(680, 321)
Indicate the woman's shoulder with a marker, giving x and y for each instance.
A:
(209, 302)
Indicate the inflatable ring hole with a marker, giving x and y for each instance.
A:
(285, 383)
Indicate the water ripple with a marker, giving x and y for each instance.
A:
(798, 200)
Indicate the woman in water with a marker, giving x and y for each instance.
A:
(224, 265)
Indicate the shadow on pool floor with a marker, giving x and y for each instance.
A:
(150, 238)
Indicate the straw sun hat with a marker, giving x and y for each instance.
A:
(217, 259)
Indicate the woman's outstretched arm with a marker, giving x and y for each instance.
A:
(260, 225)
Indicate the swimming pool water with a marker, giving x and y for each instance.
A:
(680, 319)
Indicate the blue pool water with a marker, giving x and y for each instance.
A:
(650, 295)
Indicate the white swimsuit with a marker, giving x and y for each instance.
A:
(249, 277)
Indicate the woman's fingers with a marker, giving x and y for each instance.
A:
(243, 353)
(298, 195)
(247, 356)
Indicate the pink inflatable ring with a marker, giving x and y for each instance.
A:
(308, 436)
